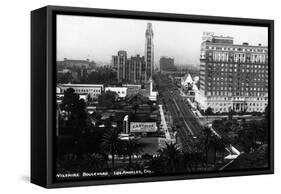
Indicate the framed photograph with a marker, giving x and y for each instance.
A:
(125, 96)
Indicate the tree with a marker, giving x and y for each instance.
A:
(64, 77)
(208, 111)
(171, 153)
(89, 98)
(207, 141)
(131, 147)
(102, 75)
(192, 161)
(265, 123)
(138, 99)
(266, 112)
(218, 145)
(76, 112)
(252, 135)
(255, 160)
(69, 100)
(110, 144)
(157, 165)
(107, 98)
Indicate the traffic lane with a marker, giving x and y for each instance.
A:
(189, 116)
(184, 118)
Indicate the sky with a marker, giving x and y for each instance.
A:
(98, 38)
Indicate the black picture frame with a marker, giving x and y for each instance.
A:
(43, 85)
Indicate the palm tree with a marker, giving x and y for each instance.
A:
(110, 144)
(131, 147)
(170, 153)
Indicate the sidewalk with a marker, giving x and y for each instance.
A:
(164, 123)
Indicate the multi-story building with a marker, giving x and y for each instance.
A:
(167, 64)
(114, 62)
(130, 70)
(137, 69)
(121, 59)
(232, 76)
(149, 51)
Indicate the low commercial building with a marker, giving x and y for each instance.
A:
(69, 63)
(120, 91)
(94, 90)
(132, 88)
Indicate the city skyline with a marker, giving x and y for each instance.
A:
(77, 36)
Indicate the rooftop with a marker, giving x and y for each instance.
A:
(80, 85)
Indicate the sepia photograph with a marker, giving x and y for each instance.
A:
(144, 98)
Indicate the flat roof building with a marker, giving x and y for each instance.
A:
(232, 76)
(94, 90)
(167, 64)
(120, 91)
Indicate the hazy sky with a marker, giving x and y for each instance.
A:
(96, 38)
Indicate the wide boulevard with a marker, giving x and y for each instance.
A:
(187, 124)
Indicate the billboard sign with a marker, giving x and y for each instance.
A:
(143, 127)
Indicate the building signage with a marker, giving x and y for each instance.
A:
(143, 127)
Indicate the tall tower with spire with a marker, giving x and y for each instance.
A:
(149, 52)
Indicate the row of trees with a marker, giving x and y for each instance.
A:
(170, 159)
(203, 155)
(112, 145)
(101, 75)
(97, 151)
(64, 77)
(101, 157)
(209, 111)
